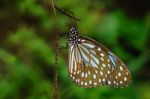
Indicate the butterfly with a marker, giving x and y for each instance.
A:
(91, 64)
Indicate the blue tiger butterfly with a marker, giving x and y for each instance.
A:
(91, 64)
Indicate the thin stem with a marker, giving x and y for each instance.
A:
(66, 13)
(55, 95)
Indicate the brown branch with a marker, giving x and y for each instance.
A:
(66, 13)
(55, 94)
(56, 91)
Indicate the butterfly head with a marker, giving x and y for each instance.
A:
(73, 37)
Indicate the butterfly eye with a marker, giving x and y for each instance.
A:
(91, 64)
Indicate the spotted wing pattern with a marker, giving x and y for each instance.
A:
(91, 65)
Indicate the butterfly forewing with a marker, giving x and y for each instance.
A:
(91, 64)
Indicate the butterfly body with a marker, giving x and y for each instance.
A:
(91, 64)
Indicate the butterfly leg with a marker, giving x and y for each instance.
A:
(63, 47)
(62, 34)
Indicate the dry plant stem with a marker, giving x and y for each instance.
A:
(66, 13)
(55, 94)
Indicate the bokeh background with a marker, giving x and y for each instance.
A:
(27, 39)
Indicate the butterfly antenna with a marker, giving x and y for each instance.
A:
(73, 22)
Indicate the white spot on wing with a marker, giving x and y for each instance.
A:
(82, 40)
(119, 74)
(116, 77)
(117, 84)
(86, 75)
(109, 82)
(95, 83)
(102, 58)
(103, 79)
(101, 73)
(78, 80)
(102, 68)
(99, 80)
(103, 65)
(73, 77)
(108, 72)
(99, 49)
(109, 65)
(94, 76)
(121, 68)
(102, 54)
(90, 82)
(85, 83)
(120, 82)
(114, 82)
(81, 82)
(96, 71)
(82, 75)
(125, 78)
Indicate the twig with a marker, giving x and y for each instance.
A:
(66, 13)
(55, 95)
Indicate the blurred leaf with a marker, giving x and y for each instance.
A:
(28, 39)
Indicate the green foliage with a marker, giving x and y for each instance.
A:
(27, 52)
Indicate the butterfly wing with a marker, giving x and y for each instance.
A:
(91, 64)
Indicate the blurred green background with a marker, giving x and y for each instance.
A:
(27, 30)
